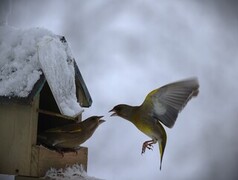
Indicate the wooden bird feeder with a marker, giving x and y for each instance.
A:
(21, 118)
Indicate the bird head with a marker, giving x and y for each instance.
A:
(123, 110)
(93, 122)
(118, 110)
(98, 119)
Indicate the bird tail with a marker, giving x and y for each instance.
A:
(162, 145)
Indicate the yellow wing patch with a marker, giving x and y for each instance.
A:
(75, 131)
(151, 94)
(64, 131)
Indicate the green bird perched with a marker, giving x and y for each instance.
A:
(71, 136)
(160, 105)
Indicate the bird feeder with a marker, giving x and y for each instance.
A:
(41, 87)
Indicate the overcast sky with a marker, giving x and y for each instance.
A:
(125, 49)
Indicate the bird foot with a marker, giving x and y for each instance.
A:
(67, 150)
(147, 145)
(60, 152)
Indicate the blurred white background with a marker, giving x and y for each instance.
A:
(125, 49)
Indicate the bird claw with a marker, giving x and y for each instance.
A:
(61, 151)
(147, 145)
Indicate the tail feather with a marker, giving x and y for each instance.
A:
(162, 145)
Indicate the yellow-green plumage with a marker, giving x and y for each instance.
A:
(160, 105)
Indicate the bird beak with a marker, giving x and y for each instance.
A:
(113, 112)
(101, 120)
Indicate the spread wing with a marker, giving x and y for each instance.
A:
(166, 102)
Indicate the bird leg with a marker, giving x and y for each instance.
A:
(148, 145)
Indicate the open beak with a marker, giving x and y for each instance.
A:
(113, 112)
(101, 120)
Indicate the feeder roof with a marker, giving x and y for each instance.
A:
(29, 58)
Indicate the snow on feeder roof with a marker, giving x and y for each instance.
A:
(29, 58)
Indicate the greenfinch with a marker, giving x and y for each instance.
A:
(70, 137)
(160, 105)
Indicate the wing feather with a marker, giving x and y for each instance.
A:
(70, 128)
(170, 99)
